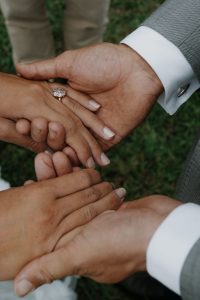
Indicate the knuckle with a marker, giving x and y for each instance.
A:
(48, 216)
(4, 133)
(85, 178)
(74, 105)
(113, 201)
(45, 274)
(89, 213)
(36, 88)
(94, 174)
(93, 194)
(107, 186)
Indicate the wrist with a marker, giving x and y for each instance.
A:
(143, 65)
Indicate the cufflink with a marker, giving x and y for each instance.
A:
(182, 90)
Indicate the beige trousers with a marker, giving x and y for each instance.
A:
(30, 32)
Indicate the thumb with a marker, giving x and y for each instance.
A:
(47, 69)
(58, 264)
(44, 270)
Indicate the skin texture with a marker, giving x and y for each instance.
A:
(35, 100)
(10, 134)
(108, 249)
(33, 218)
(114, 76)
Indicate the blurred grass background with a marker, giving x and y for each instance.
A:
(148, 161)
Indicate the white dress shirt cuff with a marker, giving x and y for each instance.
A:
(168, 62)
(171, 244)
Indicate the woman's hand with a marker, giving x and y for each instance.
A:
(21, 98)
(9, 134)
(33, 218)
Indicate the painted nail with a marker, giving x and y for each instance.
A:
(51, 80)
(105, 160)
(108, 133)
(121, 193)
(90, 163)
(94, 104)
(24, 287)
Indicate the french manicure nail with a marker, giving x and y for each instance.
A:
(51, 80)
(105, 160)
(121, 193)
(24, 287)
(108, 133)
(94, 104)
(90, 163)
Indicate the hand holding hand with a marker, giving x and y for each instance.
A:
(113, 75)
(108, 249)
(34, 99)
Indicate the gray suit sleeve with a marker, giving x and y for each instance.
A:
(190, 276)
(179, 22)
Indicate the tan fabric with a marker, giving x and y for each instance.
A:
(30, 31)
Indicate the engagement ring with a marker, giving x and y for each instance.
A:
(58, 93)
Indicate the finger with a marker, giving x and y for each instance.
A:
(23, 127)
(28, 182)
(56, 136)
(46, 269)
(74, 182)
(39, 129)
(74, 130)
(89, 119)
(44, 167)
(83, 99)
(83, 150)
(39, 70)
(78, 200)
(86, 214)
(62, 164)
(72, 155)
(8, 133)
(100, 157)
(51, 68)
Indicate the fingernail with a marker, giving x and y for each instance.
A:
(105, 160)
(48, 152)
(108, 133)
(90, 163)
(94, 104)
(121, 193)
(24, 287)
(52, 134)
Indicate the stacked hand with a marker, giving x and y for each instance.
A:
(114, 76)
(108, 249)
(21, 98)
(35, 217)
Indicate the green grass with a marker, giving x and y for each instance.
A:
(148, 161)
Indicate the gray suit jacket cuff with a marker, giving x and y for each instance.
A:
(190, 275)
(179, 22)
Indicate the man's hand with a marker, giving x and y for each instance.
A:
(113, 75)
(108, 249)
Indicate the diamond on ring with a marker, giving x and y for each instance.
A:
(59, 93)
